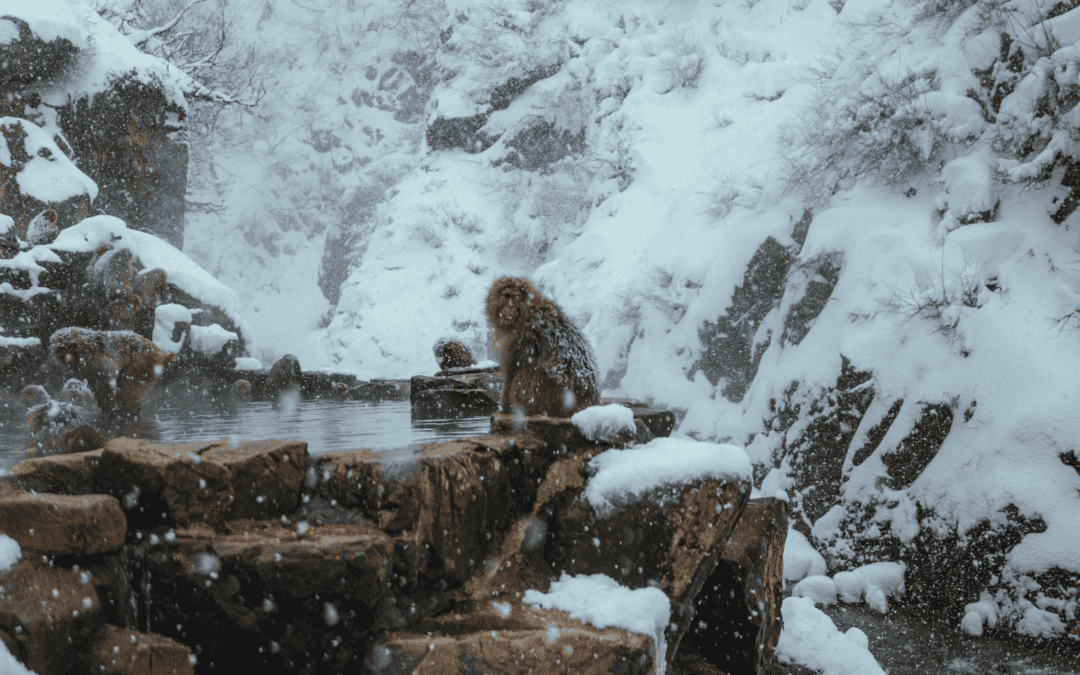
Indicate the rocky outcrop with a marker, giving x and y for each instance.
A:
(416, 559)
(128, 137)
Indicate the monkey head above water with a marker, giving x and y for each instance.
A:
(119, 367)
(547, 364)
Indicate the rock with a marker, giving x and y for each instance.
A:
(158, 482)
(660, 423)
(739, 604)
(50, 613)
(517, 639)
(63, 524)
(266, 594)
(202, 482)
(453, 403)
(29, 150)
(266, 476)
(672, 538)
(119, 651)
(65, 474)
(447, 504)
(380, 390)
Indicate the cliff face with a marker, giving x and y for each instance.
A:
(117, 113)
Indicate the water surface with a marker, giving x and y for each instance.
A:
(324, 424)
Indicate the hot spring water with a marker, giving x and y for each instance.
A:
(326, 425)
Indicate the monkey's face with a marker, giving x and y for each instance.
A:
(508, 308)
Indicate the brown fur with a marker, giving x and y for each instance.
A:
(547, 363)
(151, 289)
(118, 366)
(452, 354)
(111, 274)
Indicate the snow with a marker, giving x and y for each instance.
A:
(622, 476)
(818, 588)
(643, 235)
(9, 665)
(605, 422)
(210, 340)
(10, 553)
(153, 253)
(873, 583)
(48, 175)
(800, 558)
(811, 639)
(599, 600)
(165, 319)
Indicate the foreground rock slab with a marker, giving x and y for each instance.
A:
(119, 651)
(511, 638)
(63, 524)
(180, 483)
(269, 594)
(49, 615)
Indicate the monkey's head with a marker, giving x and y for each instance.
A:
(34, 395)
(509, 302)
(67, 346)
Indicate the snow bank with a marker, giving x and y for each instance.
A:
(800, 558)
(600, 601)
(811, 639)
(624, 475)
(605, 422)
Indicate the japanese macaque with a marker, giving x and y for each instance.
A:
(547, 364)
(42, 228)
(48, 419)
(452, 354)
(111, 274)
(119, 367)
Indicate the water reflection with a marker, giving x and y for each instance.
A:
(325, 425)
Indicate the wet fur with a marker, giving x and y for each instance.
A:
(547, 364)
(118, 366)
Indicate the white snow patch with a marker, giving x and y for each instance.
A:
(165, 319)
(622, 475)
(819, 588)
(800, 558)
(810, 638)
(599, 600)
(180, 270)
(605, 422)
(10, 553)
(210, 339)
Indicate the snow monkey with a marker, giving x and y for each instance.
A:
(450, 353)
(119, 366)
(547, 363)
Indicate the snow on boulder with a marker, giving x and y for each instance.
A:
(607, 423)
(153, 252)
(599, 600)
(624, 475)
(36, 174)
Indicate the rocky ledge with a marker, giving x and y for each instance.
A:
(151, 557)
